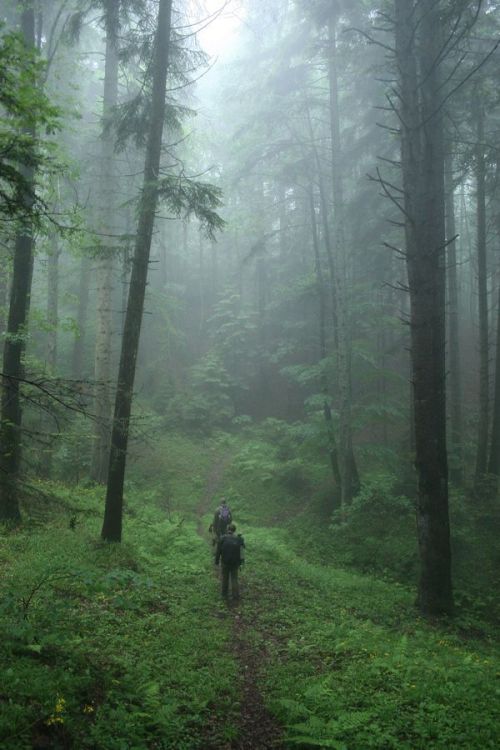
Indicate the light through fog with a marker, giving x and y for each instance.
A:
(219, 24)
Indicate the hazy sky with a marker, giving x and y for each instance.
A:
(217, 35)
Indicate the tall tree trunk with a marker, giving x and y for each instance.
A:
(323, 204)
(112, 525)
(417, 53)
(201, 288)
(455, 390)
(262, 286)
(81, 319)
(482, 283)
(348, 468)
(327, 412)
(15, 342)
(52, 335)
(4, 289)
(53, 301)
(107, 227)
(494, 455)
(494, 458)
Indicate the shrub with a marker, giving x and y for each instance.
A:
(377, 532)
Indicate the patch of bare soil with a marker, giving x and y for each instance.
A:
(258, 730)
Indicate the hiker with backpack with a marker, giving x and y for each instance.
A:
(222, 518)
(230, 551)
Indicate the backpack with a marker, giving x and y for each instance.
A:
(230, 550)
(242, 549)
(224, 514)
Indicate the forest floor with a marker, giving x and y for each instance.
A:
(337, 659)
(130, 647)
(257, 728)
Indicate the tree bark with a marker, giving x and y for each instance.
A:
(112, 525)
(455, 391)
(15, 342)
(482, 283)
(107, 228)
(53, 302)
(422, 157)
(4, 289)
(327, 412)
(494, 458)
(348, 468)
(77, 368)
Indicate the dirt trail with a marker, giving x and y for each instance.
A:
(257, 729)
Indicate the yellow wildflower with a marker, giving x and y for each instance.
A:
(56, 717)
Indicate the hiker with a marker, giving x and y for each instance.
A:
(230, 551)
(222, 518)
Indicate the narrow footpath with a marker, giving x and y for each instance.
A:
(257, 728)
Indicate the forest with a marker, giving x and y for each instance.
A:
(249, 305)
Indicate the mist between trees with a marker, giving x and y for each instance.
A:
(302, 233)
(271, 274)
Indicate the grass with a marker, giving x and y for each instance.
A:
(113, 646)
(127, 646)
(350, 663)
(352, 666)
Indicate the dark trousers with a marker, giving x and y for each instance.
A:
(230, 573)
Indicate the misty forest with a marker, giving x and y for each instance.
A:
(250, 375)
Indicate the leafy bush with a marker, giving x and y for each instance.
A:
(376, 533)
(205, 404)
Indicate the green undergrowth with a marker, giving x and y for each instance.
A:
(127, 646)
(113, 647)
(351, 666)
(175, 468)
(275, 479)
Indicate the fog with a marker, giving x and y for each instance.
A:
(264, 232)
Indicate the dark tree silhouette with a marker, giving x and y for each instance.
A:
(112, 525)
(419, 57)
(11, 417)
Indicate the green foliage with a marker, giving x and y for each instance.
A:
(353, 667)
(185, 196)
(27, 117)
(111, 645)
(376, 532)
(274, 462)
(102, 645)
(476, 557)
(206, 404)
